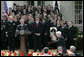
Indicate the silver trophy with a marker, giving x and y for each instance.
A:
(53, 31)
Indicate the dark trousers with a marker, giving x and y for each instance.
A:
(11, 43)
(26, 44)
(30, 39)
(37, 43)
(3, 42)
(17, 42)
(70, 42)
(45, 41)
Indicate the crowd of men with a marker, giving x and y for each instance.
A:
(38, 20)
(60, 52)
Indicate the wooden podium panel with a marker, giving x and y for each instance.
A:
(22, 45)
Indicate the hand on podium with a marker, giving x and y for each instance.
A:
(15, 35)
(6, 35)
(38, 34)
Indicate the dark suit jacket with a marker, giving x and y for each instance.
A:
(60, 42)
(64, 32)
(10, 28)
(2, 32)
(28, 12)
(26, 31)
(72, 32)
(24, 27)
(58, 28)
(35, 29)
(15, 12)
(77, 54)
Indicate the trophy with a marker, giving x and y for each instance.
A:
(53, 31)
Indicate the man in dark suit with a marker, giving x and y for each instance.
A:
(29, 11)
(37, 32)
(60, 41)
(71, 34)
(3, 38)
(3, 26)
(17, 38)
(58, 25)
(30, 37)
(64, 30)
(10, 33)
(23, 38)
(4, 20)
(46, 28)
(49, 9)
(73, 49)
(15, 9)
(24, 11)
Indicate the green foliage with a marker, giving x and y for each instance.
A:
(79, 41)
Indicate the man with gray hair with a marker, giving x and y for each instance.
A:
(60, 51)
(46, 51)
(10, 32)
(73, 49)
(60, 41)
(22, 31)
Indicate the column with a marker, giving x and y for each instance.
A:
(53, 4)
(9, 4)
(58, 5)
(35, 3)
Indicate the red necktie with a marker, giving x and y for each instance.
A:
(37, 25)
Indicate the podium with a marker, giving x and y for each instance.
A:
(22, 45)
(22, 34)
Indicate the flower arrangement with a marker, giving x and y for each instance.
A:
(31, 53)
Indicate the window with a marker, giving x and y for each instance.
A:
(78, 12)
(30, 2)
(41, 2)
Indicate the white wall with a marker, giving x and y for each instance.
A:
(67, 9)
(49, 3)
(2, 5)
(10, 4)
(52, 3)
(58, 4)
(21, 3)
(35, 3)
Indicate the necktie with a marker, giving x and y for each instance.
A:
(37, 25)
